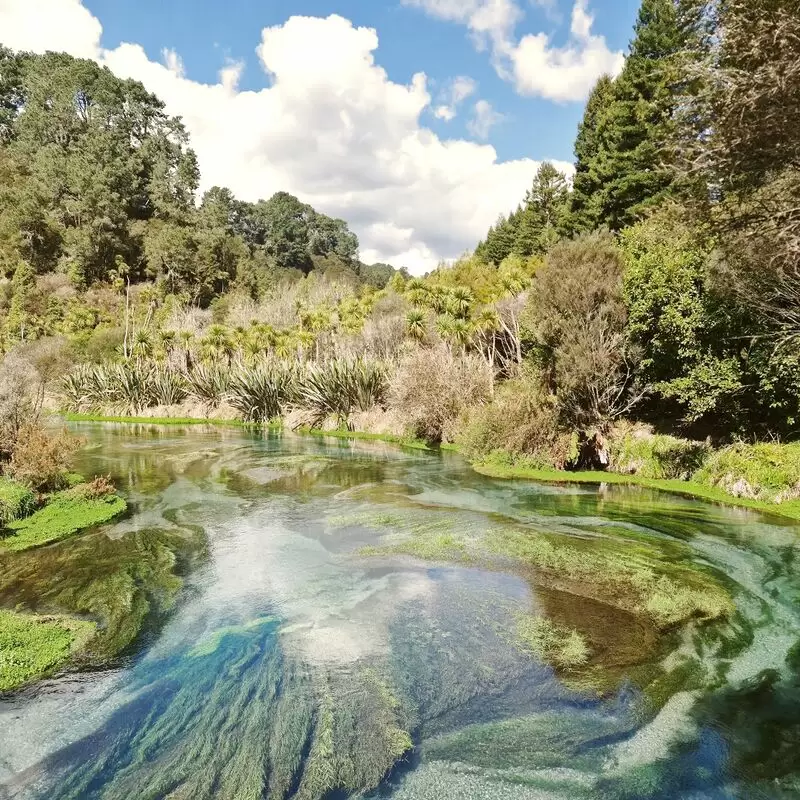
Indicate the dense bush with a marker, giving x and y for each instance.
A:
(521, 419)
(577, 315)
(431, 388)
(41, 459)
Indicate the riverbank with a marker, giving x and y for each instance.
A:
(789, 508)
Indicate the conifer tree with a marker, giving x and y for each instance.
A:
(621, 148)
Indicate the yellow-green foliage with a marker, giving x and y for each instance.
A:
(551, 642)
(66, 513)
(656, 456)
(16, 501)
(768, 472)
(34, 646)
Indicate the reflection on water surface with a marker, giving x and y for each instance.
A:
(295, 617)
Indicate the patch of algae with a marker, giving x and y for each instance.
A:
(647, 578)
(33, 646)
(243, 720)
(121, 584)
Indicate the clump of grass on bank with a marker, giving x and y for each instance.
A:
(16, 501)
(32, 647)
(768, 472)
(635, 451)
(65, 514)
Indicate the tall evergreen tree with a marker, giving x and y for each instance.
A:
(587, 184)
(622, 142)
(543, 218)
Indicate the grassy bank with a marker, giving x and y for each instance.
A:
(713, 494)
(756, 464)
(65, 514)
(237, 423)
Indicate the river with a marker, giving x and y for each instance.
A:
(291, 616)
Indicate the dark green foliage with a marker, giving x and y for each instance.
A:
(536, 225)
(621, 145)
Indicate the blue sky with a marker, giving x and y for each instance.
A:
(416, 121)
(207, 32)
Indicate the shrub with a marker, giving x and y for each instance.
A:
(577, 315)
(16, 501)
(521, 419)
(42, 460)
(432, 387)
(99, 487)
(208, 383)
(262, 393)
(637, 451)
(341, 387)
(167, 387)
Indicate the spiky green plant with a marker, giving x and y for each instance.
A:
(340, 387)
(168, 387)
(208, 382)
(263, 392)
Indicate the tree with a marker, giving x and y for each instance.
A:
(577, 315)
(621, 143)
(18, 320)
(587, 184)
(543, 218)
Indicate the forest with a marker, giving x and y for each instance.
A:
(641, 316)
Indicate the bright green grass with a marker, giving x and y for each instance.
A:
(32, 647)
(70, 417)
(713, 494)
(66, 513)
(414, 444)
(16, 501)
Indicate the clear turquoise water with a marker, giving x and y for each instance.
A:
(295, 665)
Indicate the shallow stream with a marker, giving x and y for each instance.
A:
(319, 618)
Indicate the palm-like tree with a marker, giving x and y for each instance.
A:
(142, 346)
(217, 343)
(461, 301)
(416, 325)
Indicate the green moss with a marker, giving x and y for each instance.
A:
(693, 489)
(32, 647)
(414, 444)
(123, 583)
(65, 514)
(552, 643)
(72, 417)
(16, 501)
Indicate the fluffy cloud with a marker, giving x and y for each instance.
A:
(330, 128)
(534, 64)
(564, 73)
(456, 92)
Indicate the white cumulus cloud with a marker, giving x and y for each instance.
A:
(534, 64)
(331, 128)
